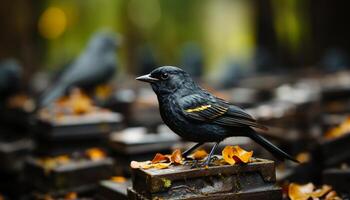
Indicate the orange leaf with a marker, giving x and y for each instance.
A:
(321, 192)
(95, 154)
(118, 179)
(339, 130)
(160, 158)
(332, 196)
(176, 157)
(303, 157)
(71, 195)
(199, 154)
(63, 159)
(232, 154)
(300, 192)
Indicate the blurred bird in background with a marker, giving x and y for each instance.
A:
(192, 60)
(10, 78)
(96, 65)
(146, 59)
(198, 116)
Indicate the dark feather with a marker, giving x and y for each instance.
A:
(215, 110)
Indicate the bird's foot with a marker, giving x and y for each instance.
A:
(198, 164)
(208, 162)
(214, 158)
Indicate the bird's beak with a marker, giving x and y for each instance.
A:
(147, 78)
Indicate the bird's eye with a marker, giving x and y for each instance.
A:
(164, 76)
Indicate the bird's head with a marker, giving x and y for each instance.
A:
(166, 80)
(104, 42)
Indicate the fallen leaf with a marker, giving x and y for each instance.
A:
(332, 196)
(233, 154)
(339, 130)
(199, 155)
(79, 102)
(160, 158)
(148, 165)
(307, 191)
(103, 91)
(63, 159)
(118, 179)
(95, 154)
(321, 192)
(176, 157)
(300, 192)
(71, 196)
(303, 157)
(160, 165)
(136, 165)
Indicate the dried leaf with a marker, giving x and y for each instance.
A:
(340, 130)
(103, 91)
(63, 159)
(176, 157)
(307, 191)
(160, 158)
(118, 179)
(79, 102)
(303, 157)
(321, 192)
(199, 154)
(160, 165)
(52, 162)
(71, 196)
(332, 195)
(300, 192)
(233, 154)
(95, 154)
(148, 165)
(136, 165)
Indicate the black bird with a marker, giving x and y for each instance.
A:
(198, 116)
(96, 65)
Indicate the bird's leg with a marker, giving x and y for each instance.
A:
(188, 151)
(207, 161)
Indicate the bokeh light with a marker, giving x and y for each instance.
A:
(52, 23)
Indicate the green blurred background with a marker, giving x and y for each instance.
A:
(44, 35)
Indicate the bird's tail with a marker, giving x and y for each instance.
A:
(51, 95)
(277, 152)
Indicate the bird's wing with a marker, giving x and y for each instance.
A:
(208, 108)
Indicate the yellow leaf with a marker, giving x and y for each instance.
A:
(339, 130)
(300, 192)
(160, 165)
(199, 154)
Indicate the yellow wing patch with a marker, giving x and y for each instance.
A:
(200, 108)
